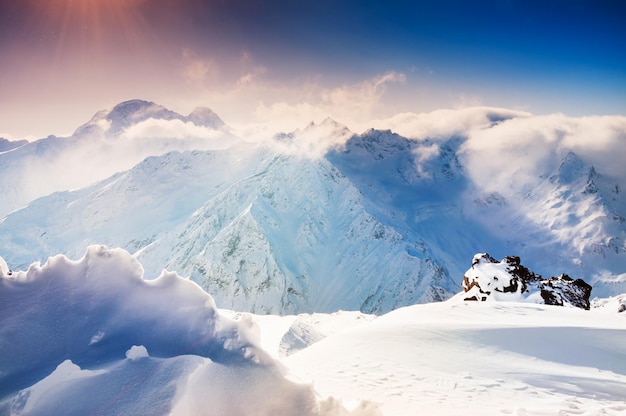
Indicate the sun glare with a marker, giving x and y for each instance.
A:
(92, 24)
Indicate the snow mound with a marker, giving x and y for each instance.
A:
(489, 279)
(80, 336)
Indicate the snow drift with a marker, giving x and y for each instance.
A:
(93, 337)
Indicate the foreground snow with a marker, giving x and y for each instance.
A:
(92, 337)
(465, 358)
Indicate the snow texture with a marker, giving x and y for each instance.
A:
(477, 358)
(93, 337)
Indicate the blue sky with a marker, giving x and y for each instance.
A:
(248, 60)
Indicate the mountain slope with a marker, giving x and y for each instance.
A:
(296, 237)
(261, 231)
(571, 221)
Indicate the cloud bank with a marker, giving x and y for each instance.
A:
(517, 153)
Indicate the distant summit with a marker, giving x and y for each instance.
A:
(132, 112)
(125, 114)
(6, 144)
(205, 117)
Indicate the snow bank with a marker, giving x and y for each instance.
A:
(92, 336)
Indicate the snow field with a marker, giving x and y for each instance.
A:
(494, 358)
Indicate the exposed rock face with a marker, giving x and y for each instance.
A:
(565, 290)
(489, 279)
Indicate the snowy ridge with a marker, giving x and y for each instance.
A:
(9, 145)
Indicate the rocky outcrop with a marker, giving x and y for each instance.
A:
(489, 279)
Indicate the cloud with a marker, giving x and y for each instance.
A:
(282, 116)
(251, 72)
(601, 140)
(517, 153)
(424, 154)
(358, 103)
(446, 122)
(172, 129)
(352, 104)
(196, 69)
(314, 141)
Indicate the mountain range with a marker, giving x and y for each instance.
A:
(315, 220)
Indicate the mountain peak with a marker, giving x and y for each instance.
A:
(127, 113)
(570, 168)
(203, 116)
(135, 111)
(328, 124)
(6, 144)
(116, 120)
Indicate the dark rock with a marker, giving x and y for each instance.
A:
(509, 276)
(564, 290)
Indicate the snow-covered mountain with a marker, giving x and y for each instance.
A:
(7, 145)
(573, 216)
(261, 231)
(319, 219)
(112, 141)
(115, 121)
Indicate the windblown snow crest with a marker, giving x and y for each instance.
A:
(77, 336)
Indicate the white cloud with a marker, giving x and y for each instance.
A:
(444, 123)
(173, 129)
(354, 104)
(282, 116)
(601, 140)
(515, 154)
(315, 140)
(424, 154)
(357, 104)
(196, 69)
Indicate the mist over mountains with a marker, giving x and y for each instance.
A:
(322, 218)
